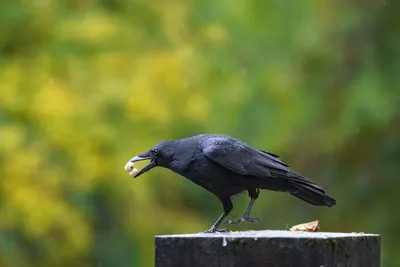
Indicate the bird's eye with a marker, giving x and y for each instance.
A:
(155, 151)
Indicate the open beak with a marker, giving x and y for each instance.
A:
(141, 157)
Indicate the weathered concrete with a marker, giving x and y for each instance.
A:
(268, 249)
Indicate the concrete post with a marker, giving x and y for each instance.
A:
(268, 249)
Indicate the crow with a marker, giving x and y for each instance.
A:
(226, 166)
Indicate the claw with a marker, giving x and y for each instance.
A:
(253, 220)
(210, 231)
(242, 220)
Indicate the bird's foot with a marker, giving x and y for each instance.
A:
(242, 220)
(214, 230)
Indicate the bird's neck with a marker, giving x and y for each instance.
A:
(181, 159)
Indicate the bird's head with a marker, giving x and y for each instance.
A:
(162, 154)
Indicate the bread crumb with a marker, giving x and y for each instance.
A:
(307, 227)
(130, 167)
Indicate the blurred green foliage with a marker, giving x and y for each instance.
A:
(86, 85)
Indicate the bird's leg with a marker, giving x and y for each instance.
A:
(245, 218)
(227, 205)
(214, 228)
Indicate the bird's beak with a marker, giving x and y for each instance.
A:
(140, 157)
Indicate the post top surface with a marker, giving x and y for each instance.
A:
(271, 234)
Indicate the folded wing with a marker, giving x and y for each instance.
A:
(241, 158)
(245, 160)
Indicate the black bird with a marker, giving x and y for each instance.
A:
(226, 166)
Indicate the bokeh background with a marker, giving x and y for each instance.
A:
(85, 85)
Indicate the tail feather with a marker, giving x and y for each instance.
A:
(298, 186)
(309, 191)
(312, 195)
(297, 178)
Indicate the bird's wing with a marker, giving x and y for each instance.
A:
(275, 158)
(242, 159)
(229, 157)
(245, 160)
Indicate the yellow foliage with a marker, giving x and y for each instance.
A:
(45, 213)
(12, 138)
(53, 99)
(216, 33)
(92, 28)
(175, 26)
(11, 77)
(196, 108)
(21, 164)
(158, 80)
